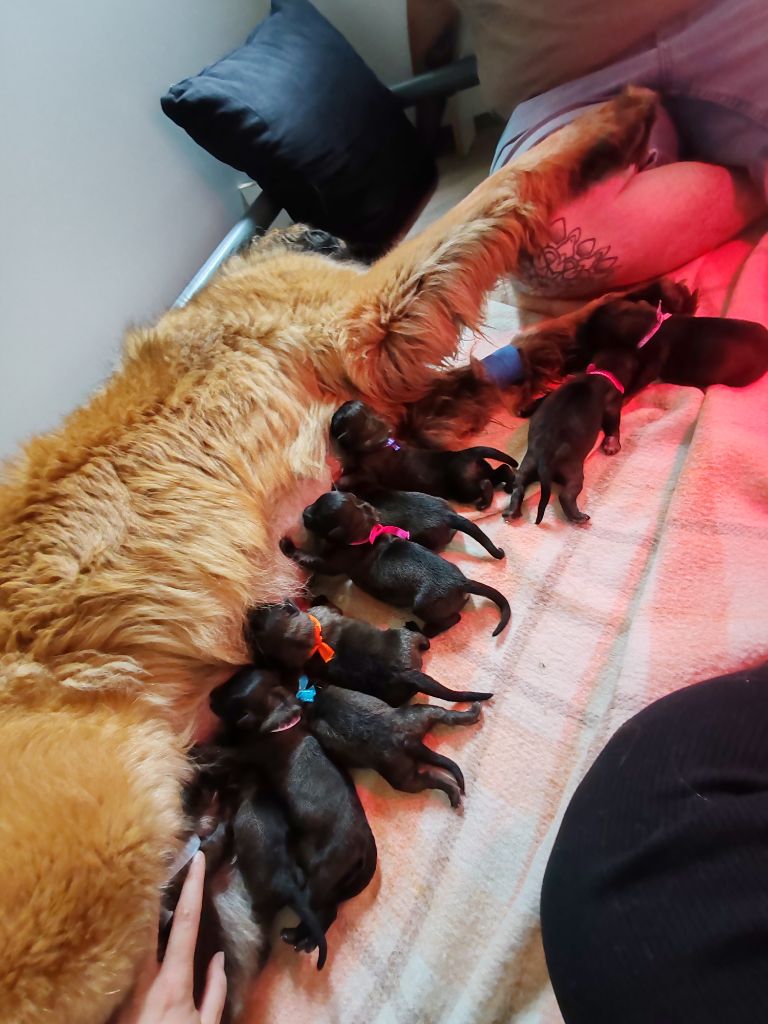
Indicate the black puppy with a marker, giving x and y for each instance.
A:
(335, 847)
(396, 571)
(693, 351)
(384, 663)
(268, 866)
(360, 731)
(370, 455)
(225, 922)
(564, 428)
(430, 521)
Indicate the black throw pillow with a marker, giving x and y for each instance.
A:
(298, 111)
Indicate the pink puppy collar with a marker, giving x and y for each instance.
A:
(660, 318)
(378, 530)
(592, 370)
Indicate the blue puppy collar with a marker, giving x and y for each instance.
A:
(504, 366)
(306, 692)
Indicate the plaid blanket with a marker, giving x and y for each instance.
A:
(667, 584)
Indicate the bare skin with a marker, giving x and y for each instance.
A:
(637, 226)
(163, 992)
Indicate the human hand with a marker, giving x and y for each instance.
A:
(163, 992)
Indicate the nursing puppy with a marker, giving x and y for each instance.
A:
(226, 922)
(360, 731)
(430, 521)
(266, 860)
(693, 351)
(564, 428)
(370, 455)
(384, 663)
(396, 571)
(211, 936)
(335, 847)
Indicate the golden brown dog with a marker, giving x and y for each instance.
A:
(135, 537)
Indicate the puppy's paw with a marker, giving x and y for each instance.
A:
(513, 512)
(611, 445)
(455, 797)
(473, 712)
(287, 546)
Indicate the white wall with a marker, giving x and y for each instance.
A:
(107, 208)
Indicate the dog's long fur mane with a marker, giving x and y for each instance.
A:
(134, 538)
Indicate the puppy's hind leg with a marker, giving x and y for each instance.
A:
(611, 423)
(526, 475)
(572, 488)
(503, 476)
(436, 627)
(423, 717)
(428, 756)
(430, 779)
(486, 495)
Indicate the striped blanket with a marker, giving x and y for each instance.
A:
(667, 584)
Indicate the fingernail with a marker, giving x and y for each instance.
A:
(219, 959)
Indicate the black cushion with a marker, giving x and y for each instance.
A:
(298, 111)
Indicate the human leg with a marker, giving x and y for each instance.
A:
(704, 175)
(655, 899)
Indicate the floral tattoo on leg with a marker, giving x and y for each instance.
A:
(566, 261)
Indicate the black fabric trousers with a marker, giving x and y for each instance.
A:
(655, 899)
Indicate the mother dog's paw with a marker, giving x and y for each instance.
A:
(622, 125)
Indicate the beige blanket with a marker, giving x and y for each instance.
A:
(667, 584)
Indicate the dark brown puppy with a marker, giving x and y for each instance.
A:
(335, 847)
(430, 521)
(707, 350)
(564, 428)
(384, 663)
(360, 731)
(370, 455)
(205, 812)
(268, 865)
(693, 351)
(396, 571)
(211, 936)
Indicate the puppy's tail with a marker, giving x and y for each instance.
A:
(473, 587)
(483, 452)
(546, 494)
(473, 530)
(423, 683)
(300, 905)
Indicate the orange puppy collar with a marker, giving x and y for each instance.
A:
(325, 650)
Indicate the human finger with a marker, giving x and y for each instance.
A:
(180, 951)
(215, 995)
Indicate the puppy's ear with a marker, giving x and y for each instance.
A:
(337, 534)
(247, 721)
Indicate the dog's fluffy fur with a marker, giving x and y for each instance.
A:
(134, 538)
